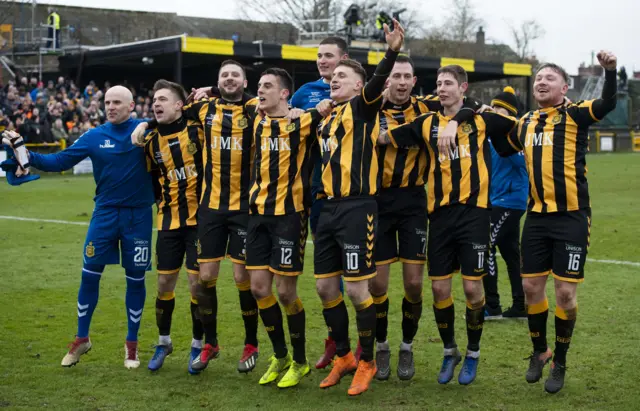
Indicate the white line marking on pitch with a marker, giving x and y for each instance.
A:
(41, 220)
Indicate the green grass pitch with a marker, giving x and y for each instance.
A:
(40, 273)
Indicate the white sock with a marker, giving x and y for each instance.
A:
(450, 351)
(382, 346)
(405, 347)
(164, 340)
(196, 343)
(473, 354)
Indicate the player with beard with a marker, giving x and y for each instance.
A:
(224, 206)
(556, 233)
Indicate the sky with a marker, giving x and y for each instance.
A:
(573, 28)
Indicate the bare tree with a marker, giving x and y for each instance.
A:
(524, 35)
(463, 21)
(295, 12)
(299, 12)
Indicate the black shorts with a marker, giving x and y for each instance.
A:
(346, 238)
(171, 248)
(402, 226)
(276, 243)
(458, 238)
(556, 243)
(220, 234)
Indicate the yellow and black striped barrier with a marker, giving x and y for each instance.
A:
(197, 45)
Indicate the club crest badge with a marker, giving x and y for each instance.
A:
(90, 250)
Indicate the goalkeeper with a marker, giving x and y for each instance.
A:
(122, 218)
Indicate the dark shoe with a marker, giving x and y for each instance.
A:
(406, 368)
(383, 359)
(537, 361)
(491, 314)
(514, 313)
(555, 382)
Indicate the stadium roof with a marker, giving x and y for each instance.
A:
(188, 59)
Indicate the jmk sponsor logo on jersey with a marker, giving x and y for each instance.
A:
(182, 173)
(330, 144)
(461, 151)
(226, 143)
(539, 139)
(276, 144)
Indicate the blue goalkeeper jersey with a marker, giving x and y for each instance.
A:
(119, 167)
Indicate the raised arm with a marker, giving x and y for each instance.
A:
(373, 89)
(607, 102)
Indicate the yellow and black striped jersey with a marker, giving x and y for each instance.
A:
(227, 153)
(555, 141)
(404, 167)
(347, 140)
(174, 151)
(348, 136)
(462, 175)
(282, 168)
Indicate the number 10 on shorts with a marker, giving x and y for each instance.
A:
(352, 261)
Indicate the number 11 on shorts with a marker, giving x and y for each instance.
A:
(481, 259)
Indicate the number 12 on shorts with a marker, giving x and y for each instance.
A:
(285, 256)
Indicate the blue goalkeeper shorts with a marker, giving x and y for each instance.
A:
(120, 231)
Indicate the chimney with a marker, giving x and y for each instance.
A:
(480, 37)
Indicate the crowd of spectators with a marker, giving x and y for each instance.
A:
(59, 110)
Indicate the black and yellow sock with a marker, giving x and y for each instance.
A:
(411, 313)
(445, 317)
(475, 323)
(196, 325)
(249, 308)
(208, 309)
(337, 319)
(381, 304)
(165, 303)
(565, 322)
(366, 322)
(296, 319)
(537, 315)
(272, 319)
